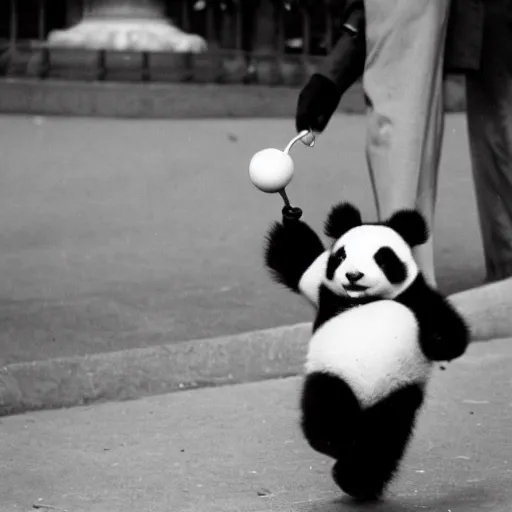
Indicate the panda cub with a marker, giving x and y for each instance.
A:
(378, 330)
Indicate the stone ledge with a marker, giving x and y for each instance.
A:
(170, 101)
(135, 373)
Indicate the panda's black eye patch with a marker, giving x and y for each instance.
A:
(341, 254)
(394, 270)
(335, 259)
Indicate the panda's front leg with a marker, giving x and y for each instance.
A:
(291, 248)
(445, 335)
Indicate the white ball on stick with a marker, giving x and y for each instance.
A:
(271, 170)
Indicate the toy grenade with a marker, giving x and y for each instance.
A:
(271, 170)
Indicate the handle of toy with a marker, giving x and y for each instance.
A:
(291, 214)
(312, 137)
(282, 193)
(298, 137)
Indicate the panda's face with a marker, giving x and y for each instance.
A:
(371, 261)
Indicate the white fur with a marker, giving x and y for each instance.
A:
(309, 284)
(374, 348)
(361, 243)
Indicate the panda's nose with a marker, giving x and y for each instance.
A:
(353, 277)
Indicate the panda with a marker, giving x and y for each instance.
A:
(378, 331)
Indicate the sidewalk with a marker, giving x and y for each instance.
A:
(238, 448)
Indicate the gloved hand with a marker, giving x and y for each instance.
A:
(317, 102)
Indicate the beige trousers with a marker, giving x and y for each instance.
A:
(403, 83)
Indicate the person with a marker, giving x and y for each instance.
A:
(489, 116)
(402, 49)
(398, 46)
(485, 62)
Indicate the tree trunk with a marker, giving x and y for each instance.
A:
(138, 25)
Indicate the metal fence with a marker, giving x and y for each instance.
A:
(274, 42)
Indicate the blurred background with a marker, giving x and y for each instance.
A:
(248, 41)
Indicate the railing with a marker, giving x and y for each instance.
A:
(275, 42)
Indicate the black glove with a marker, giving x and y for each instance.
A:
(321, 96)
(317, 102)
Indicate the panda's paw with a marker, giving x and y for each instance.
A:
(355, 485)
(447, 347)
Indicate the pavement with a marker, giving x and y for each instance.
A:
(81, 95)
(238, 448)
(124, 100)
(131, 256)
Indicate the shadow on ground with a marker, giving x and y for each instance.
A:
(476, 497)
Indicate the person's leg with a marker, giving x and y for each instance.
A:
(403, 82)
(427, 187)
(489, 111)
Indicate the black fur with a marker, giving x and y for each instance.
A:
(375, 455)
(394, 270)
(291, 247)
(341, 219)
(444, 335)
(334, 424)
(327, 428)
(410, 225)
(331, 305)
(334, 261)
(367, 444)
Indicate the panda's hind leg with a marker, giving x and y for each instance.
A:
(382, 439)
(330, 414)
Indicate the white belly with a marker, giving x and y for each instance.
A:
(374, 348)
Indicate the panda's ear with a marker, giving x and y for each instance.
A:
(410, 225)
(342, 218)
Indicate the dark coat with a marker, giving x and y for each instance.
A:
(464, 36)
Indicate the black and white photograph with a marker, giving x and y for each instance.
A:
(255, 255)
